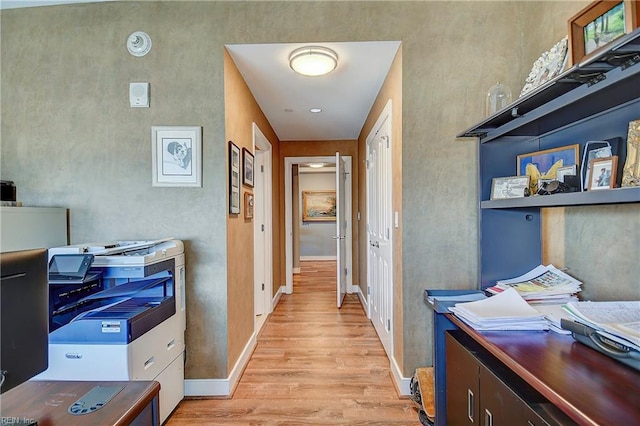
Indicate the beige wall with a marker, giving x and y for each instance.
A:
(241, 111)
(70, 139)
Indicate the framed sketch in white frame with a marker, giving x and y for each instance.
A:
(510, 187)
(176, 156)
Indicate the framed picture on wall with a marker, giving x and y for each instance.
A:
(319, 206)
(176, 156)
(234, 178)
(247, 168)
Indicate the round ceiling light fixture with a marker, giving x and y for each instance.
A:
(313, 60)
(139, 43)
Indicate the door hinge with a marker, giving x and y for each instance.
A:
(262, 227)
(388, 234)
(388, 325)
(345, 271)
(367, 163)
(368, 289)
(262, 286)
(262, 169)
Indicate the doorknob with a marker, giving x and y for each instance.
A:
(375, 244)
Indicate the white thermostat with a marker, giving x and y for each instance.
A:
(139, 94)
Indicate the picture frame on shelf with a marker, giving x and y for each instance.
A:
(592, 150)
(602, 173)
(509, 187)
(545, 164)
(248, 205)
(598, 24)
(234, 178)
(631, 170)
(319, 206)
(564, 171)
(247, 168)
(176, 153)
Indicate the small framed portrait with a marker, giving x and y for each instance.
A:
(248, 205)
(247, 168)
(510, 187)
(602, 173)
(234, 178)
(177, 156)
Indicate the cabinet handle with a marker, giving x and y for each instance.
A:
(488, 418)
(148, 363)
(470, 405)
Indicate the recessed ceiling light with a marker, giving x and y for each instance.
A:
(315, 110)
(313, 60)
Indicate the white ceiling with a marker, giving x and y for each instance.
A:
(345, 95)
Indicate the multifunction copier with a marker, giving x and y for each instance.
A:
(117, 312)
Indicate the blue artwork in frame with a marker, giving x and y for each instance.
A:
(545, 164)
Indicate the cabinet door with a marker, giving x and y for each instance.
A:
(499, 405)
(463, 385)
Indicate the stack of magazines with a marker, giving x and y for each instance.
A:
(543, 284)
(504, 311)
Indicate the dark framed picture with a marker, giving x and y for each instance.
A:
(598, 24)
(545, 164)
(509, 187)
(602, 173)
(234, 178)
(247, 167)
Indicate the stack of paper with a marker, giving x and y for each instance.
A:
(504, 311)
(543, 284)
(619, 321)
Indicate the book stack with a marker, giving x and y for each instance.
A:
(543, 284)
(504, 311)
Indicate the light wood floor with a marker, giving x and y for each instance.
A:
(313, 364)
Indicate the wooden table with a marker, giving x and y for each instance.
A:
(48, 401)
(588, 386)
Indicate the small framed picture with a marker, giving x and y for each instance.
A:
(602, 173)
(248, 205)
(247, 168)
(234, 178)
(564, 171)
(176, 156)
(510, 187)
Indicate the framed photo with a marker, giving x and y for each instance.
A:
(545, 164)
(631, 170)
(248, 205)
(234, 178)
(602, 173)
(599, 24)
(319, 206)
(176, 156)
(564, 171)
(509, 187)
(247, 167)
(592, 149)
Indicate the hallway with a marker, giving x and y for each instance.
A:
(313, 364)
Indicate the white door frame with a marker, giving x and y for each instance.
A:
(262, 147)
(288, 216)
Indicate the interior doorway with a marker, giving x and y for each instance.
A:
(262, 229)
(289, 219)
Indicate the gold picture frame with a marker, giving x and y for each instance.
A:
(545, 164)
(631, 170)
(319, 206)
(586, 34)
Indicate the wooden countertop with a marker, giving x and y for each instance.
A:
(47, 402)
(588, 386)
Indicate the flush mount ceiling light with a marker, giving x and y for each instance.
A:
(313, 60)
(316, 165)
(315, 110)
(139, 43)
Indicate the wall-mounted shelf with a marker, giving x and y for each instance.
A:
(607, 196)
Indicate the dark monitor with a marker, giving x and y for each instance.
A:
(24, 316)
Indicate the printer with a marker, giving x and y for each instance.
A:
(117, 312)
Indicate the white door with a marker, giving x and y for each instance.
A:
(379, 222)
(341, 230)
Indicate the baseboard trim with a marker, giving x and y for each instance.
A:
(222, 387)
(402, 384)
(318, 258)
(295, 270)
(363, 300)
